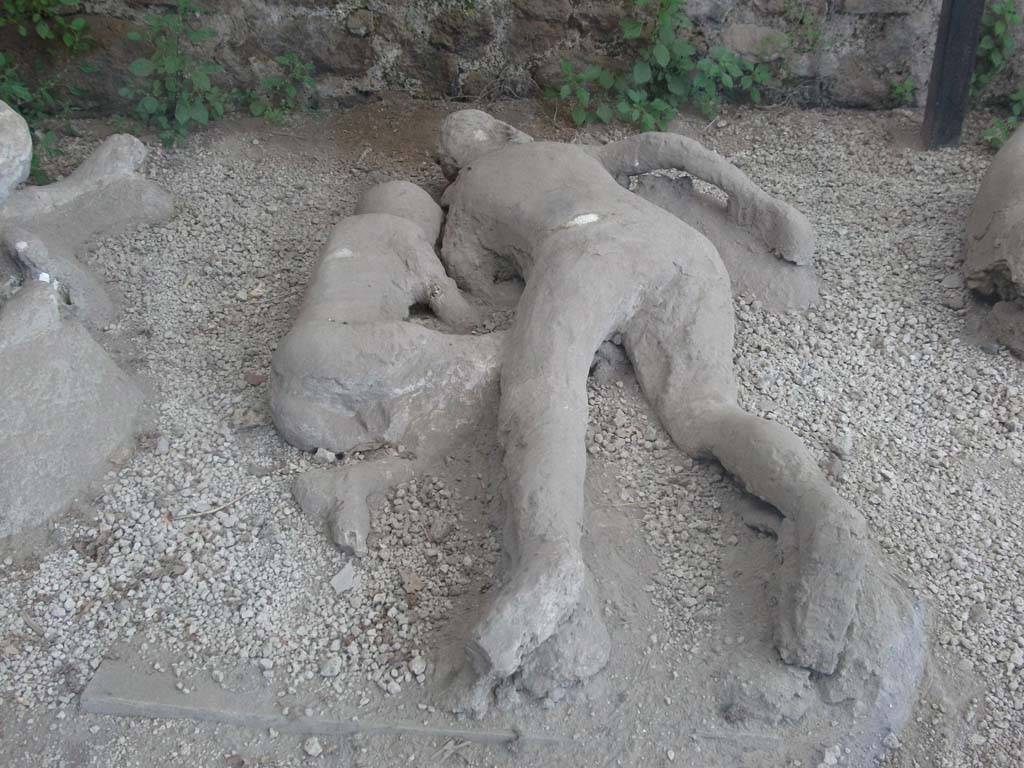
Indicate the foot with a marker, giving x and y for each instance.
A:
(883, 661)
(575, 653)
(543, 592)
(819, 582)
(462, 691)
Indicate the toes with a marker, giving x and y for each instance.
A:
(882, 663)
(460, 690)
(817, 589)
(541, 595)
(577, 651)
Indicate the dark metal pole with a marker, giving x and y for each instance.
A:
(950, 85)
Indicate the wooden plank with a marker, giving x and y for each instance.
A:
(123, 689)
(950, 85)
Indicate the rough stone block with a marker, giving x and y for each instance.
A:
(15, 150)
(66, 407)
(995, 228)
(756, 42)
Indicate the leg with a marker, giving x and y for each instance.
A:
(542, 423)
(681, 345)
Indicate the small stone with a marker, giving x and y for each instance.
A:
(163, 445)
(393, 687)
(311, 747)
(331, 667)
(418, 665)
(954, 300)
(411, 582)
(345, 580)
(837, 468)
(440, 529)
(953, 280)
(842, 445)
(360, 22)
(324, 457)
(254, 379)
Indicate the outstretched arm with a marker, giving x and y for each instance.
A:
(782, 227)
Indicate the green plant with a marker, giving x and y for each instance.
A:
(175, 90)
(805, 22)
(33, 104)
(279, 92)
(996, 45)
(49, 19)
(901, 92)
(1000, 128)
(667, 73)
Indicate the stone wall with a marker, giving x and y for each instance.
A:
(847, 52)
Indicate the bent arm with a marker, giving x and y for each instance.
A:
(782, 227)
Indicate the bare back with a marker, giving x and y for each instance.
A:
(523, 198)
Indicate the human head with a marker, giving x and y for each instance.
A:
(469, 134)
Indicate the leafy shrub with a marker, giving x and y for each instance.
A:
(33, 104)
(996, 44)
(175, 90)
(901, 92)
(667, 73)
(279, 92)
(48, 19)
(805, 22)
(1001, 127)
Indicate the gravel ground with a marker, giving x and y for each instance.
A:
(196, 547)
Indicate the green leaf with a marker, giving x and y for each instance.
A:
(579, 115)
(565, 91)
(604, 113)
(133, 35)
(200, 113)
(141, 67)
(631, 28)
(149, 105)
(606, 80)
(257, 108)
(676, 85)
(583, 97)
(682, 49)
(78, 24)
(182, 111)
(726, 80)
(201, 81)
(661, 55)
(44, 31)
(641, 72)
(592, 72)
